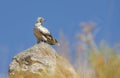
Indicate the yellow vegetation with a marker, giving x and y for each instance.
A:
(91, 60)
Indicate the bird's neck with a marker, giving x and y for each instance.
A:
(38, 24)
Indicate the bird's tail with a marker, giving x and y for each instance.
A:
(57, 44)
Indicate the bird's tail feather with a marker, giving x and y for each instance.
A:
(57, 44)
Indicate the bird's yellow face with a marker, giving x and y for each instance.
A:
(40, 19)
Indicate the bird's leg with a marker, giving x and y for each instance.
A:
(42, 41)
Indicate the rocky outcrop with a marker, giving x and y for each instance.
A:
(40, 61)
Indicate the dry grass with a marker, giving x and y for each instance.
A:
(91, 60)
(64, 49)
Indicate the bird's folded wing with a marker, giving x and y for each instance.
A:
(44, 30)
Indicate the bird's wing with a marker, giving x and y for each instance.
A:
(45, 33)
(48, 36)
(44, 30)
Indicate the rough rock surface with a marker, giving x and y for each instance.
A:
(40, 61)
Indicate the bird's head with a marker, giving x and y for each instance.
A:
(40, 20)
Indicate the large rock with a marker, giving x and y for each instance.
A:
(40, 61)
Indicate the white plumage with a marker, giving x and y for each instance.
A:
(41, 28)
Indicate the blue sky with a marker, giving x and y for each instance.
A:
(17, 20)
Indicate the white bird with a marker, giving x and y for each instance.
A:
(43, 34)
